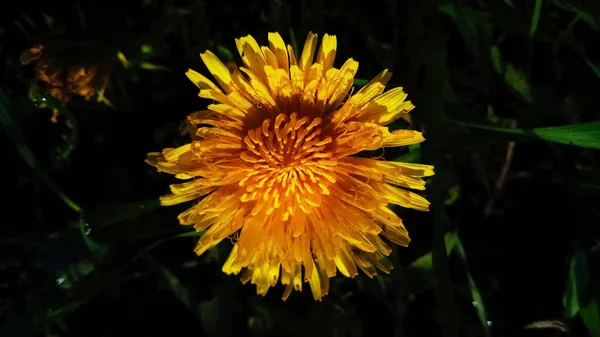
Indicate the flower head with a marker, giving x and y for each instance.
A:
(273, 157)
(68, 72)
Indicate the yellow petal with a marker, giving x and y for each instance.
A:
(279, 50)
(217, 69)
(308, 53)
(269, 57)
(386, 108)
(402, 138)
(200, 80)
(327, 51)
(252, 56)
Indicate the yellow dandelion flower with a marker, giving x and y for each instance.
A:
(273, 159)
(67, 72)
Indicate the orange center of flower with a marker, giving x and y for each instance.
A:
(291, 159)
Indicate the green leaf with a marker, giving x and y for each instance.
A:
(359, 82)
(151, 66)
(453, 194)
(585, 15)
(436, 74)
(376, 286)
(469, 23)
(591, 318)
(420, 276)
(595, 69)
(577, 283)
(294, 44)
(181, 292)
(413, 156)
(224, 53)
(448, 93)
(58, 296)
(216, 314)
(16, 136)
(577, 298)
(583, 134)
(475, 293)
(513, 76)
(146, 49)
(114, 213)
(49, 20)
(420, 271)
(33, 322)
(535, 19)
(92, 246)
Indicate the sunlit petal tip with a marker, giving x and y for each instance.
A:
(274, 166)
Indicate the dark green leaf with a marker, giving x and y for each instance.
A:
(115, 213)
(583, 135)
(475, 294)
(577, 283)
(578, 297)
(535, 19)
(16, 136)
(595, 69)
(181, 292)
(453, 194)
(359, 82)
(146, 49)
(513, 76)
(150, 66)
(469, 22)
(91, 244)
(588, 15)
(216, 314)
(591, 317)
(413, 156)
(436, 74)
(224, 53)
(420, 271)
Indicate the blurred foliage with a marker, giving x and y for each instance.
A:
(506, 94)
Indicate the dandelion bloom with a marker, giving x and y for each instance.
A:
(69, 71)
(273, 157)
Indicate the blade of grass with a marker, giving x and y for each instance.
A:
(535, 18)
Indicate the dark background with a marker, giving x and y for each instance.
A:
(520, 210)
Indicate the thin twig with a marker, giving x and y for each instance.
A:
(510, 149)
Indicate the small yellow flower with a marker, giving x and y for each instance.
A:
(67, 72)
(273, 157)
